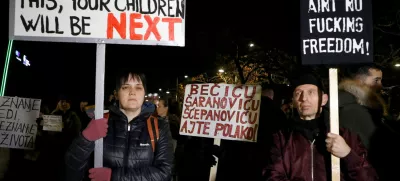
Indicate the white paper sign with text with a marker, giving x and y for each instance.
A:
(224, 111)
(18, 122)
(158, 22)
(52, 123)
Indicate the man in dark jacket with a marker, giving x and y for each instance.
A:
(250, 164)
(362, 110)
(302, 152)
(272, 118)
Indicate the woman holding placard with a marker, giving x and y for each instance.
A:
(137, 144)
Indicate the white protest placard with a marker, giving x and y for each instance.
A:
(18, 122)
(156, 22)
(223, 111)
(52, 123)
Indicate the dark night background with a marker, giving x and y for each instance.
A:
(211, 26)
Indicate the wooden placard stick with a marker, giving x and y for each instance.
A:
(334, 118)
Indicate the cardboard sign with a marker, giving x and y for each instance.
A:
(52, 123)
(221, 111)
(160, 22)
(336, 31)
(18, 126)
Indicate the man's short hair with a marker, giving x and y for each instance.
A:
(266, 86)
(356, 71)
(267, 90)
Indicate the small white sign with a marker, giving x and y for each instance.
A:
(52, 123)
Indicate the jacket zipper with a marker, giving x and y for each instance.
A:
(127, 149)
(312, 160)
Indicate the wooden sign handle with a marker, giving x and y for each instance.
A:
(213, 171)
(334, 118)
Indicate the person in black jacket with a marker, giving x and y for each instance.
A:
(127, 151)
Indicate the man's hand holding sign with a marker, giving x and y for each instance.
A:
(336, 145)
(336, 32)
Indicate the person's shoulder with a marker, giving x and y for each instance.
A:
(173, 117)
(283, 132)
(74, 113)
(162, 122)
(348, 135)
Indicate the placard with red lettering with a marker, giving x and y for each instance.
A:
(152, 22)
(223, 111)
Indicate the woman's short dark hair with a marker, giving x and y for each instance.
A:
(123, 78)
(165, 101)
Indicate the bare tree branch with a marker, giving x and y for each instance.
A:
(387, 32)
(251, 72)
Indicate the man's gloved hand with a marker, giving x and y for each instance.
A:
(217, 151)
(100, 174)
(211, 160)
(96, 129)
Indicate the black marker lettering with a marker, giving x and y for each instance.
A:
(74, 25)
(14, 103)
(36, 103)
(161, 5)
(52, 7)
(84, 24)
(84, 6)
(149, 6)
(103, 5)
(48, 26)
(10, 114)
(29, 143)
(4, 103)
(32, 130)
(119, 8)
(2, 113)
(170, 8)
(8, 126)
(2, 126)
(5, 137)
(28, 26)
(94, 5)
(76, 28)
(45, 28)
(131, 5)
(180, 9)
(34, 1)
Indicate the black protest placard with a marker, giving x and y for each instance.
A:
(18, 122)
(336, 31)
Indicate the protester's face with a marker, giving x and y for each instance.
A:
(83, 104)
(131, 94)
(305, 99)
(161, 109)
(285, 108)
(374, 79)
(64, 104)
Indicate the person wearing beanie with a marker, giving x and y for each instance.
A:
(303, 150)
